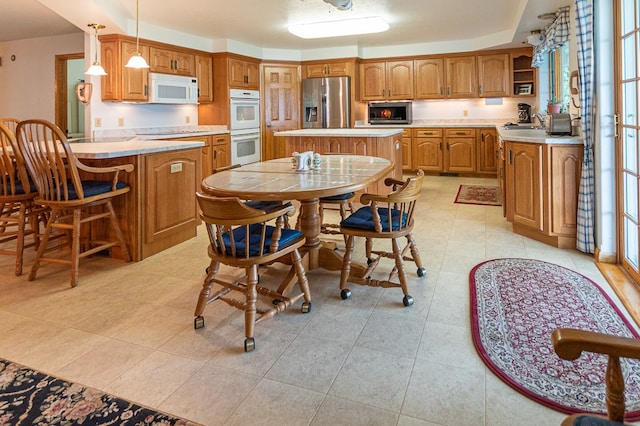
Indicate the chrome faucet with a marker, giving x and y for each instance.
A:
(540, 118)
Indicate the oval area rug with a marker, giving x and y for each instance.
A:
(517, 303)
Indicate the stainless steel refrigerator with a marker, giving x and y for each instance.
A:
(326, 102)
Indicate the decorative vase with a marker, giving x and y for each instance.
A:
(553, 108)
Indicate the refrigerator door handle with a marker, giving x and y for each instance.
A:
(325, 110)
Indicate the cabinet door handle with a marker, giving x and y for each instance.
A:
(482, 137)
(510, 156)
(460, 133)
(146, 90)
(440, 146)
(383, 93)
(448, 90)
(481, 89)
(214, 154)
(389, 92)
(219, 139)
(442, 91)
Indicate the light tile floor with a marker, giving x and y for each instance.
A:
(128, 329)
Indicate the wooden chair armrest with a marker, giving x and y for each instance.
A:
(368, 198)
(569, 343)
(108, 169)
(393, 182)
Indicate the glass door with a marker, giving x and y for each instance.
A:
(628, 85)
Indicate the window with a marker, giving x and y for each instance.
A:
(559, 72)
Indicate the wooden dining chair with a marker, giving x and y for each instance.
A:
(384, 217)
(76, 205)
(570, 343)
(20, 217)
(10, 123)
(241, 237)
(343, 203)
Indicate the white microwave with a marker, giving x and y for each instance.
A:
(172, 89)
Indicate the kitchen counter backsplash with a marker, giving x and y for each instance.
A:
(164, 132)
(474, 122)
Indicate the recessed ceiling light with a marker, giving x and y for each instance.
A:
(373, 24)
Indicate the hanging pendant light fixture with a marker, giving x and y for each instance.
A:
(137, 61)
(96, 68)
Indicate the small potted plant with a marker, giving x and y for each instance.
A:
(553, 106)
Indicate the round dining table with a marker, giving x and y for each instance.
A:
(278, 180)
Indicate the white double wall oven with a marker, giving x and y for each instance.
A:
(244, 126)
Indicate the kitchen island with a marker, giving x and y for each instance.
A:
(375, 142)
(160, 210)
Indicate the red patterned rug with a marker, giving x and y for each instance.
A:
(517, 303)
(479, 194)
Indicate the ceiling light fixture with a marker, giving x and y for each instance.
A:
(96, 68)
(370, 25)
(535, 38)
(137, 61)
(340, 4)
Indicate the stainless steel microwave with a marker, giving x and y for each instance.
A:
(390, 112)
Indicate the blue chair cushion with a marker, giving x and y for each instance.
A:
(255, 230)
(339, 197)
(363, 219)
(594, 421)
(93, 187)
(19, 190)
(264, 205)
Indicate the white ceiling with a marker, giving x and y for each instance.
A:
(263, 23)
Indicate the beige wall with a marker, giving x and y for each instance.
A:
(27, 84)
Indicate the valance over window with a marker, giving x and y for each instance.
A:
(554, 36)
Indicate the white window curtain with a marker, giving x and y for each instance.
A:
(554, 36)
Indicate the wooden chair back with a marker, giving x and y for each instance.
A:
(229, 220)
(570, 343)
(402, 199)
(14, 179)
(50, 160)
(10, 123)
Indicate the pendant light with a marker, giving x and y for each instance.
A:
(137, 61)
(96, 68)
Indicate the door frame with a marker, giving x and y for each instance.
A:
(61, 89)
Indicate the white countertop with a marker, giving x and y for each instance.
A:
(148, 133)
(537, 136)
(372, 132)
(130, 147)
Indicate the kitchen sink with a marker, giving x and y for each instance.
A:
(521, 127)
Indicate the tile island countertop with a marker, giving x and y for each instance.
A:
(129, 147)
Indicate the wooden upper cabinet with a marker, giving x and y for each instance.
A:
(400, 80)
(372, 81)
(494, 75)
(204, 74)
(121, 83)
(328, 69)
(172, 62)
(430, 82)
(460, 75)
(244, 74)
(386, 80)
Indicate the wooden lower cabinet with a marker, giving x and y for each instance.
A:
(541, 190)
(406, 149)
(220, 153)
(487, 152)
(160, 210)
(460, 150)
(427, 149)
(169, 184)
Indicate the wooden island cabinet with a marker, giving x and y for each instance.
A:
(384, 143)
(541, 184)
(160, 210)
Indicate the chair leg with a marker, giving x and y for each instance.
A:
(75, 246)
(43, 244)
(116, 228)
(402, 274)
(20, 238)
(368, 246)
(251, 296)
(205, 293)
(303, 283)
(415, 254)
(345, 293)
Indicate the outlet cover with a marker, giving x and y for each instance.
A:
(98, 122)
(120, 121)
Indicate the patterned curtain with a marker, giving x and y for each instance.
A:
(554, 36)
(586, 196)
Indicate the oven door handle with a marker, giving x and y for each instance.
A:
(240, 138)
